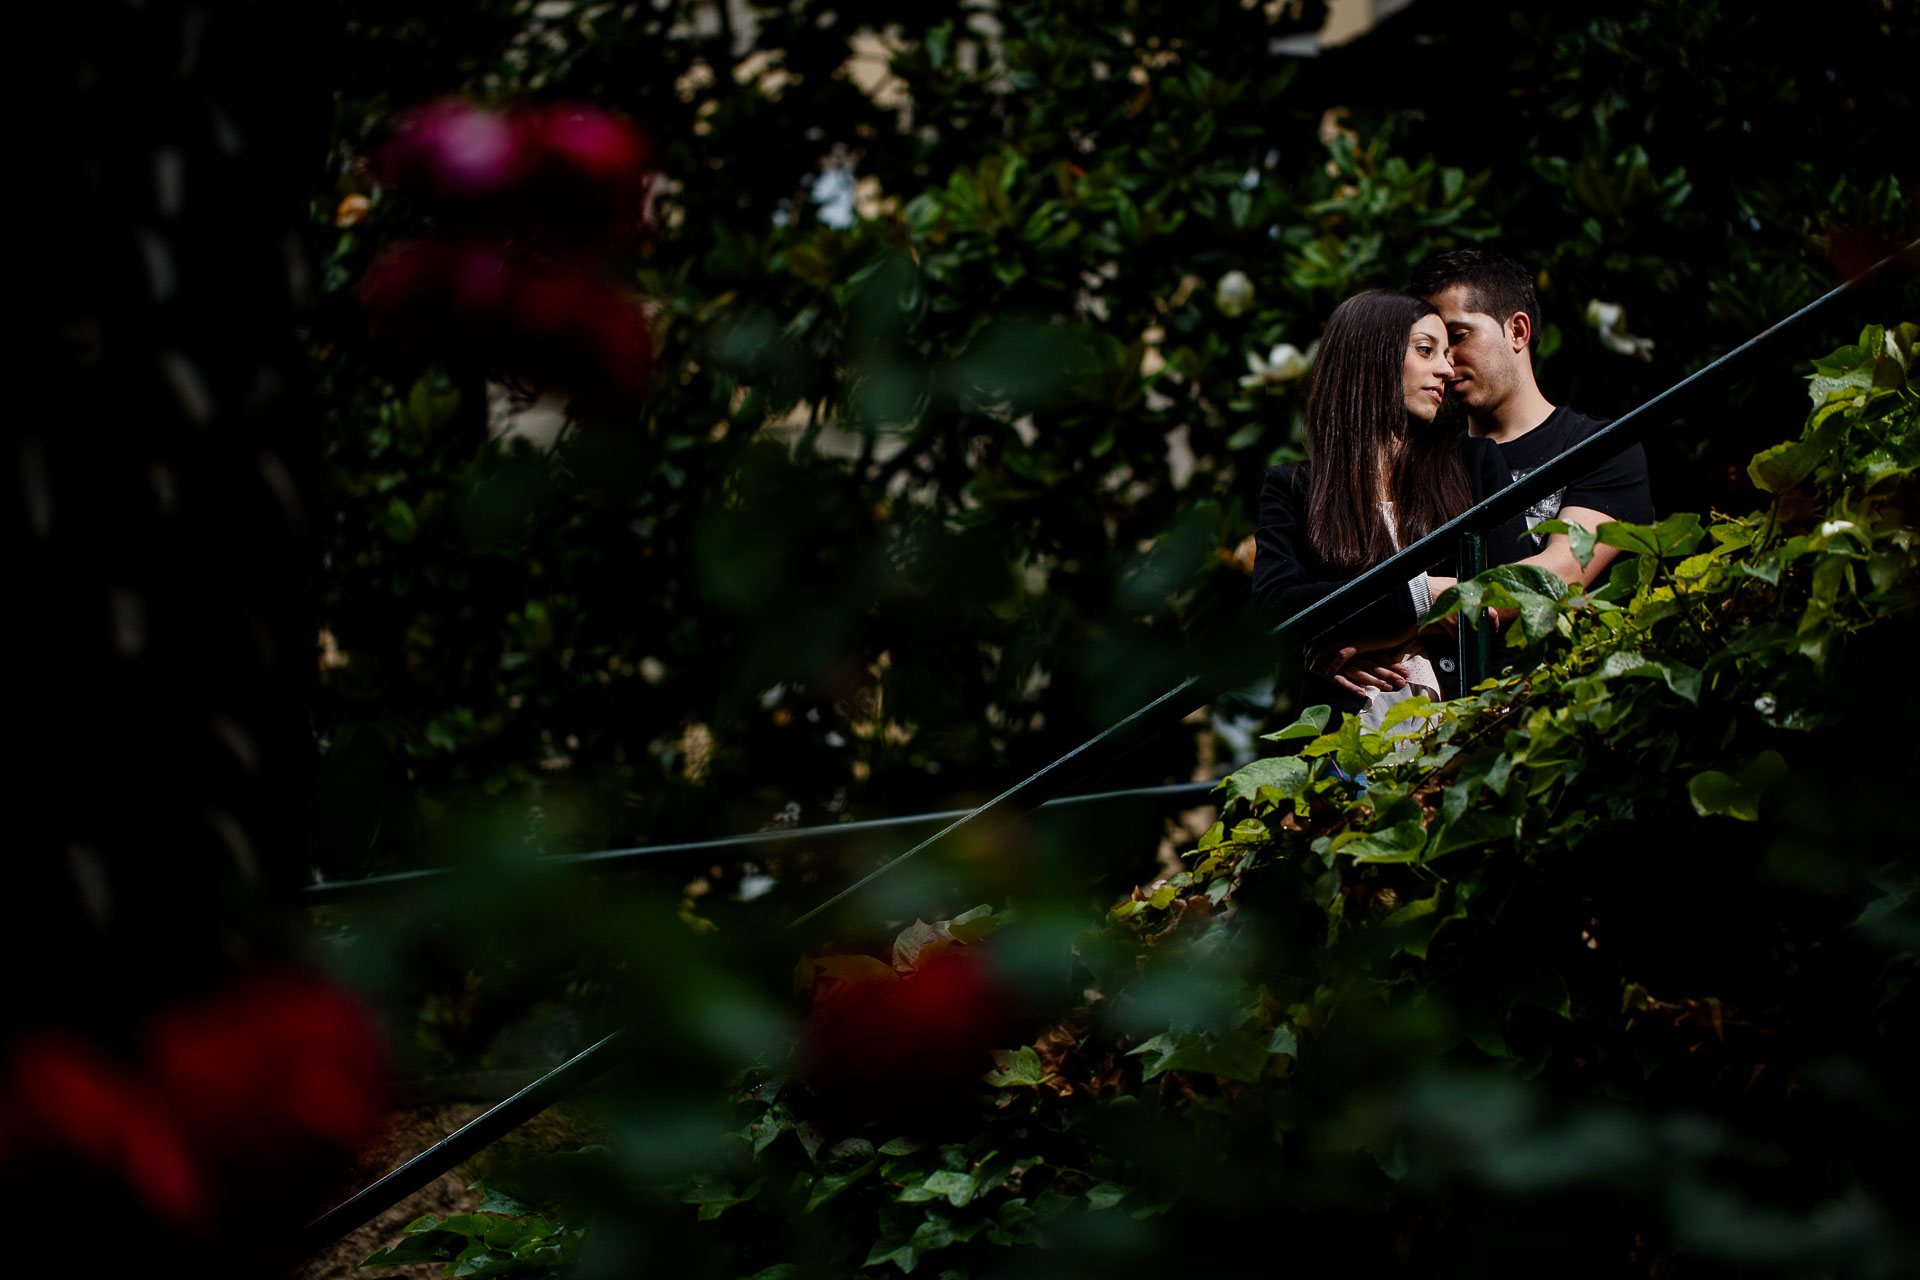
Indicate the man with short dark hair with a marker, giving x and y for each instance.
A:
(1487, 302)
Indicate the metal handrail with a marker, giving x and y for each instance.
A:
(328, 892)
(462, 1144)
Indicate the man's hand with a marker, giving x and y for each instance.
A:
(1437, 583)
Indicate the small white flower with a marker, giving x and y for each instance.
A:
(1283, 364)
(1832, 527)
(1765, 704)
(1610, 320)
(833, 192)
(1234, 294)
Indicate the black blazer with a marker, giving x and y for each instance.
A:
(1288, 576)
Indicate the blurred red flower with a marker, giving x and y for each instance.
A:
(593, 143)
(568, 175)
(453, 148)
(273, 1071)
(514, 276)
(907, 1040)
(75, 1099)
(559, 322)
(270, 1068)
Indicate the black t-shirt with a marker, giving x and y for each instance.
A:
(1617, 486)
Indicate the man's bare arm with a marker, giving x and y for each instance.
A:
(1557, 556)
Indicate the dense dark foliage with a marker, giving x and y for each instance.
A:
(967, 365)
(1576, 968)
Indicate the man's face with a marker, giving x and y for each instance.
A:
(1483, 357)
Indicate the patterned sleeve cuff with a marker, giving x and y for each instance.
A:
(1422, 595)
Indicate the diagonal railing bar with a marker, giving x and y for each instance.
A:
(332, 891)
(1181, 701)
(1169, 708)
(462, 1144)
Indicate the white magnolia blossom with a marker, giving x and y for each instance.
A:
(1234, 294)
(1283, 364)
(1610, 319)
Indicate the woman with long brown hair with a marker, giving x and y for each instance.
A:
(1389, 461)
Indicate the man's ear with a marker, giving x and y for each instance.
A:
(1519, 331)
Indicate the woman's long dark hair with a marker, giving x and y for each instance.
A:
(1356, 412)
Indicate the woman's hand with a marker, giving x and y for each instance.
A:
(1380, 664)
(1375, 669)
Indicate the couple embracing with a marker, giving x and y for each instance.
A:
(1389, 463)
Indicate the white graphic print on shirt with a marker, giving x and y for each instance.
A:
(1547, 508)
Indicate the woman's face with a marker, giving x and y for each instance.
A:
(1427, 368)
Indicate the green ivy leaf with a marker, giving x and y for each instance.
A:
(1677, 535)
(1352, 745)
(1530, 578)
(971, 926)
(1470, 827)
(1580, 539)
(1311, 723)
(421, 1245)
(1737, 795)
(1783, 466)
(827, 1188)
(956, 1188)
(712, 1200)
(1287, 774)
(903, 1256)
(1414, 925)
(1679, 677)
(1399, 843)
(1017, 1068)
(1407, 709)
